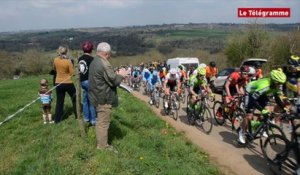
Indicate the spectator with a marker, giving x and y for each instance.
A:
(103, 82)
(46, 98)
(64, 72)
(84, 62)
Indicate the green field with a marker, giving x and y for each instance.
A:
(146, 144)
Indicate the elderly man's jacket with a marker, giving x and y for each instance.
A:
(103, 83)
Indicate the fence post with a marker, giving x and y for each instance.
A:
(78, 99)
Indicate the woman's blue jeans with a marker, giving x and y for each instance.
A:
(89, 111)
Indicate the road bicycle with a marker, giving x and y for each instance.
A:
(182, 95)
(200, 114)
(135, 84)
(231, 112)
(277, 149)
(266, 128)
(155, 96)
(172, 104)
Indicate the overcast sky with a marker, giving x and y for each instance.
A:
(18, 15)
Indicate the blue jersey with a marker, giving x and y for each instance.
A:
(146, 74)
(154, 79)
(45, 98)
(135, 73)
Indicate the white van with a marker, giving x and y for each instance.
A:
(187, 62)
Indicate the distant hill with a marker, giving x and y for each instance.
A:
(131, 40)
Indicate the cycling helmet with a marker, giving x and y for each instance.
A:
(87, 46)
(202, 65)
(180, 67)
(212, 64)
(173, 71)
(278, 76)
(293, 60)
(155, 73)
(257, 65)
(244, 69)
(252, 71)
(201, 71)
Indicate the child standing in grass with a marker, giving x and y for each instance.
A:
(45, 96)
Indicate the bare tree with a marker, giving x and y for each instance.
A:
(35, 62)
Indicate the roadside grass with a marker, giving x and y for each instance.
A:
(146, 144)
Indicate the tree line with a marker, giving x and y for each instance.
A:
(29, 53)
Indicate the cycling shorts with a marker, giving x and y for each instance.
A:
(232, 90)
(250, 102)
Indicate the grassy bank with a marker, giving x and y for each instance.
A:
(146, 144)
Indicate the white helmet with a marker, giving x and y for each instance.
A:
(173, 71)
(252, 71)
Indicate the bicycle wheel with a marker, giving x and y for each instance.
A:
(177, 100)
(157, 99)
(274, 129)
(275, 149)
(175, 110)
(182, 96)
(165, 109)
(206, 120)
(218, 112)
(237, 118)
(190, 114)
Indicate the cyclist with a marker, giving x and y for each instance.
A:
(197, 83)
(135, 77)
(252, 74)
(235, 83)
(153, 82)
(211, 72)
(202, 65)
(256, 97)
(161, 74)
(172, 83)
(293, 78)
(145, 75)
(259, 73)
(182, 74)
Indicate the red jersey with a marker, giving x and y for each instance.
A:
(236, 78)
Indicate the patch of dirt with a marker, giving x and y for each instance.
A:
(219, 144)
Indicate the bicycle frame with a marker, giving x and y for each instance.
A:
(293, 144)
(234, 106)
(203, 102)
(266, 124)
(172, 105)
